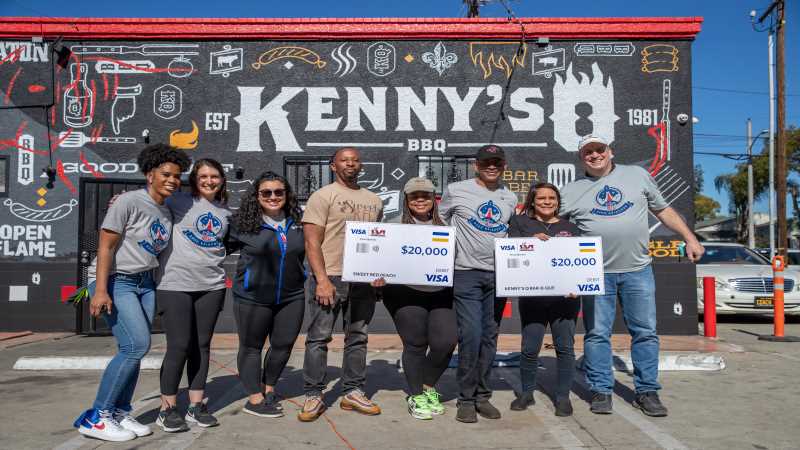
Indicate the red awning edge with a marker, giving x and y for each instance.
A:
(666, 28)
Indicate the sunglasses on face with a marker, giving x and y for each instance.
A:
(267, 193)
(599, 151)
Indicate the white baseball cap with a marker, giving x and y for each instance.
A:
(591, 139)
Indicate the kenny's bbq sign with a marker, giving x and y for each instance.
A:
(413, 107)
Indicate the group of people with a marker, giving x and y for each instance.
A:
(160, 243)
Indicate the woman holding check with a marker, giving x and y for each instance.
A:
(539, 218)
(423, 315)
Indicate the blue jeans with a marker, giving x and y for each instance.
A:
(478, 315)
(637, 296)
(130, 320)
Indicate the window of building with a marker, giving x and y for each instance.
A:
(306, 174)
(443, 170)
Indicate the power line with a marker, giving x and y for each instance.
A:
(737, 91)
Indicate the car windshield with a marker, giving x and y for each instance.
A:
(731, 255)
(794, 258)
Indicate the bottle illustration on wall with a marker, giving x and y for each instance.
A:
(78, 101)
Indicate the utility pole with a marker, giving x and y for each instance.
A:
(780, 161)
(751, 235)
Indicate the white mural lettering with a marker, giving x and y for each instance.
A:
(27, 240)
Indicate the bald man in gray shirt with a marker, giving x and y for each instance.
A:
(613, 202)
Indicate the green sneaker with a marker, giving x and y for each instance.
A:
(434, 404)
(418, 407)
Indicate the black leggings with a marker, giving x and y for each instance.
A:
(188, 319)
(561, 313)
(281, 323)
(426, 323)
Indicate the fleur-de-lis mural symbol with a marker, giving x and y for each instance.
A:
(440, 59)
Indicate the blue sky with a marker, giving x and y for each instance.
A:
(728, 55)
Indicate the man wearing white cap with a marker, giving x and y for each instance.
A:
(613, 201)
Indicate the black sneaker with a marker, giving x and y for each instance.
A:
(601, 403)
(171, 421)
(198, 414)
(466, 413)
(650, 404)
(267, 408)
(522, 402)
(487, 410)
(563, 407)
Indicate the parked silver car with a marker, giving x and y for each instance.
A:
(743, 281)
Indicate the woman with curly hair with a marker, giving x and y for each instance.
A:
(137, 227)
(423, 315)
(268, 290)
(191, 291)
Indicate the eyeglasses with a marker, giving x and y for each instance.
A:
(599, 151)
(267, 193)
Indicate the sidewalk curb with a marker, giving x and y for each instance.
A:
(683, 361)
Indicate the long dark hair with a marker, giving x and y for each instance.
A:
(408, 217)
(249, 217)
(528, 208)
(221, 195)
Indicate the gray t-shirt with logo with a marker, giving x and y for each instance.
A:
(193, 259)
(479, 215)
(145, 228)
(615, 207)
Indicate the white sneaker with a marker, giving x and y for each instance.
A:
(102, 425)
(127, 421)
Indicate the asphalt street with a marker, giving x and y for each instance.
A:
(751, 404)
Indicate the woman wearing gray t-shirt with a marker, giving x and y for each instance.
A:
(191, 291)
(136, 229)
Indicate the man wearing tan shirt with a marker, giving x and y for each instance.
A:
(324, 225)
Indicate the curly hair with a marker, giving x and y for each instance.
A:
(248, 218)
(221, 195)
(408, 217)
(155, 155)
(528, 209)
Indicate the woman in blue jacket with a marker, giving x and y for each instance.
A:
(268, 290)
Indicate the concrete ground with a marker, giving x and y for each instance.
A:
(752, 404)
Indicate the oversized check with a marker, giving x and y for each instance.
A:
(400, 253)
(529, 267)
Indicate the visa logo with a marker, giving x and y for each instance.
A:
(506, 247)
(436, 278)
(589, 287)
(357, 231)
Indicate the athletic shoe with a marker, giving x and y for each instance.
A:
(102, 425)
(171, 421)
(198, 414)
(466, 413)
(127, 421)
(650, 404)
(523, 401)
(418, 407)
(487, 410)
(563, 407)
(601, 403)
(267, 407)
(434, 401)
(313, 407)
(356, 400)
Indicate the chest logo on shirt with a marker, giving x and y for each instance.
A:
(488, 218)
(159, 237)
(611, 202)
(206, 233)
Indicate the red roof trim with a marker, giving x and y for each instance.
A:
(349, 28)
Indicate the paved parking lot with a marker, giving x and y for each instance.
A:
(752, 404)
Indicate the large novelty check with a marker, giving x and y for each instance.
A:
(400, 253)
(528, 267)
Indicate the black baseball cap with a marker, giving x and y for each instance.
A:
(490, 151)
